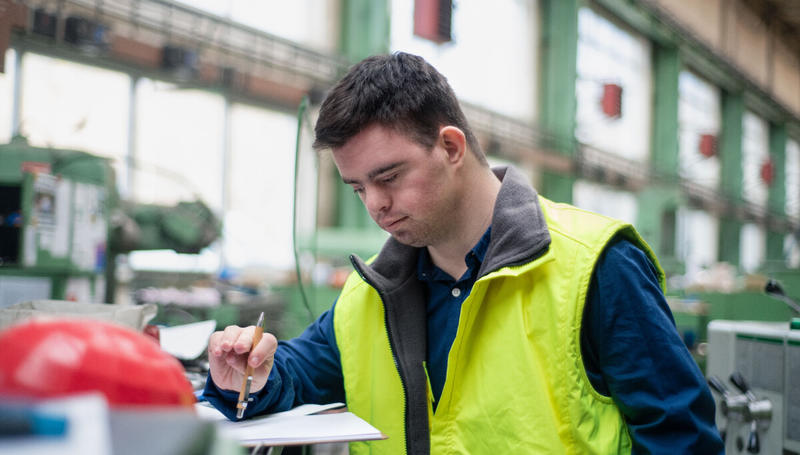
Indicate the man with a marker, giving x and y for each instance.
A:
(493, 320)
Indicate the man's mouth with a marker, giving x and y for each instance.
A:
(388, 225)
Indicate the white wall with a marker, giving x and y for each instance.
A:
(493, 58)
(608, 53)
(313, 23)
(698, 114)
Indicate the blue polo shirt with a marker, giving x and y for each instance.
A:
(627, 325)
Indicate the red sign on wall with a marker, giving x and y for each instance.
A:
(35, 167)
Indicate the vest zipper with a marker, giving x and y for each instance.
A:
(391, 348)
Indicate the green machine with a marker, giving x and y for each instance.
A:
(62, 225)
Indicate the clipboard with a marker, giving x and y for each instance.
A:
(307, 424)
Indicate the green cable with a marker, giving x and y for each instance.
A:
(300, 113)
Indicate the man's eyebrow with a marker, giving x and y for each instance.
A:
(376, 172)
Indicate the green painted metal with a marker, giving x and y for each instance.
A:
(557, 187)
(296, 317)
(731, 145)
(654, 202)
(752, 306)
(350, 211)
(643, 20)
(78, 166)
(17, 159)
(559, 44)
(731, 173)
(774, 251)
(777, 153)
(729, 232)
(777, 191)
(339, 242)
(667, 68)
(365, 28)
(364, 32)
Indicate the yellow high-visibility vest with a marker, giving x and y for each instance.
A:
(515, 380)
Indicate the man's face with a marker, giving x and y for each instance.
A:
(407, 190)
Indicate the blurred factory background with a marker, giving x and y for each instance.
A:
(159, 151)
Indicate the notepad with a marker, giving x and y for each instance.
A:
(301, 425)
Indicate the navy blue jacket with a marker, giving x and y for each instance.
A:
(627, 324)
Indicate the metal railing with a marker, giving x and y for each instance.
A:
(234, 44)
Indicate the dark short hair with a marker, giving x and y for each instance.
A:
(398, 91)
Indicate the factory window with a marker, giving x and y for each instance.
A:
(7, 96)
(792, 240)
(752, 247)
(755, 159)
(613, 67)
(697, 240)
(178, 158)
(74, 106)
(178, 142)
(699, 121)
(505, 76)
(793, 179)
(605, 200)
(258, 219)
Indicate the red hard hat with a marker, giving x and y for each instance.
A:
(57, 357)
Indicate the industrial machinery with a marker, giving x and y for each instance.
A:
(764, 415)
(62, 225)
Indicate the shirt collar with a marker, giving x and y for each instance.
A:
(427, 270)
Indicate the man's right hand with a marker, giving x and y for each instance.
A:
(230, 350)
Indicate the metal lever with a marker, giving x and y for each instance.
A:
(774, 289)
(717, 385)
(738, 380)
(753, 445)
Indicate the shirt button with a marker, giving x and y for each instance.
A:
(456, 292)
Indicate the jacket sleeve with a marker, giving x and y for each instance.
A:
(307, 369)
(633, 353)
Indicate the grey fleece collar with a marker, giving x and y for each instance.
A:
(519, 235)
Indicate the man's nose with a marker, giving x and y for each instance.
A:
(376, 200)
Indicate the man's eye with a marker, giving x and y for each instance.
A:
(358, 190)
(389, 179)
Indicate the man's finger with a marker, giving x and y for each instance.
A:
(244, 341)
(265, 349)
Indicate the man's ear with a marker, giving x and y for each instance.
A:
(454, 143)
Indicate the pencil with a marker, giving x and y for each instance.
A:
(247, 380)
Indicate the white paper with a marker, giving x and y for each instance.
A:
(206, 411)
(301, 425)
(300, 429)
(188, 341)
